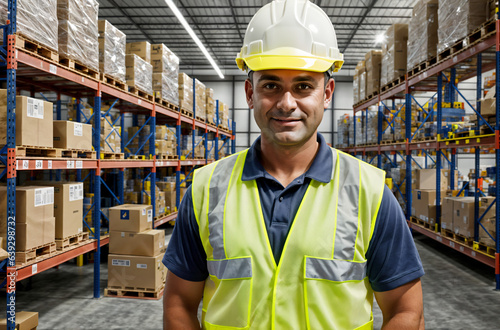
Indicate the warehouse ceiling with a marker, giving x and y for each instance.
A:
(221, 25)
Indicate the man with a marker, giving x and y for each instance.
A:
(291, 234)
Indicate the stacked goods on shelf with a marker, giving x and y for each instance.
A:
(110, 136)
(201, 99)
(489, 81)
(458, 18)
(388, 124)
(165, 73)
(371, 126)
(140, 137)
(223, 115)
(139, 73)
(112, 45)
(361, 69)
(187, 147)
(72, 135)
(68, 207)
(491, 9)
(88, 202)
(488, 103)
(135, 250)
(139, 48)
(343, 131)
(422, 32)
(35, 222)
(222, 149)
(78, 32)
(458, 214)
(34, 124)
(372, 66)
(168, 188)
(159, 200)
(36, 20)
(355, 83)
(185, 92)
(355, 131)
(400, 122)
(165, 141)
(211, 116)
(488, 221)
(86, 111)
(394, 53)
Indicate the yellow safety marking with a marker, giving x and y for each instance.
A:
(79, 260)
(467, 141)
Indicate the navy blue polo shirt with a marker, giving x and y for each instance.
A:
(392, 259)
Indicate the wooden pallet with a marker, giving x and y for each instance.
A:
(166, 104)
(36, 254)
(485, 130)
(76, 153)
(137, 92)
(426, 139)
(133, 293)
(187, 113)
(79, 67)
(36, 48)
(107, 79)
(71, 242)
(200, 119)
(372, 95)
(422, 66)
(470, 133)
(489, 250)
(392, 84)
(112, 155)
(457, 237)
(166, 157)
(386, 142)
(421, 223)
(27, 151)
(137, 157)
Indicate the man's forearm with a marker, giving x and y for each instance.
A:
(179, 318)
(405, 321)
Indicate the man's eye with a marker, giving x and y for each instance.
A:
(303, 86)
(270, 86)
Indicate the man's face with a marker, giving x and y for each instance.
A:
(288, 104)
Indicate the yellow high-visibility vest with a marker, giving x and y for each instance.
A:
(320, 281)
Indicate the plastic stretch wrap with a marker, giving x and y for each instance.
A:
(394, 51)
(355, 89)
(457, 18)
(362, 86)
(36, 20)
(139, 73)
(78, 32)
(201, 99)
(422, 32)
(164, 61)
(210, 106)
(185, 92)
(372, 64)
(112, 51)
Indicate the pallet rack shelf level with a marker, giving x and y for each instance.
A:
(471, 61)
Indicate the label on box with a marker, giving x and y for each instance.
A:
(124, 215)
(123, 234)
(150, 215)
(143, 211)
(142, 266)
(35, 108)
(78, 131)
(76, 192)
(44, 196)
(119, 262)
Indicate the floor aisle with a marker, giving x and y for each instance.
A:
(458, 294)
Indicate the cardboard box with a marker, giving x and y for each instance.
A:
(35, 233)
(33, 121)
(463, 216)
(33, 202)
(426, 179)
(488, 103)
(141, 49)
(72, 135)
(447, 213)
(490, 225)
(24, 321)
(136, 272)
(373, 61)
(149, 243)
(421, 201)
(131, 218)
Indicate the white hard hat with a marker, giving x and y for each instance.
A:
(290, 34)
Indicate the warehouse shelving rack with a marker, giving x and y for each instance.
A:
(472, 61)
(27, 71)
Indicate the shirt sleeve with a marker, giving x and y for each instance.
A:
(185, 255)
(392, 258)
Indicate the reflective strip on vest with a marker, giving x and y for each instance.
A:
(347, 211)
(217, 198)
(335, 270)
(229, 269)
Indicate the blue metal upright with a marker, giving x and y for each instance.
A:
(233, 138)
(477, 149)
(152, 153)
(96, 178)
(178, 168)
(408, 151)
(497, 156)
(217, 131)
(438, 151)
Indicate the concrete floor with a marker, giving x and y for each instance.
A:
(458, 294)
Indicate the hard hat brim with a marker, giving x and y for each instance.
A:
(263, 62)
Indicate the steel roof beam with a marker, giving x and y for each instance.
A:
(235, 19)
(130, 19)
(368, 9)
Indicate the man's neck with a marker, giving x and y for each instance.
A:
(286, 164)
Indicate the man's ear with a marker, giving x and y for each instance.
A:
(329, 88)
(249, 93)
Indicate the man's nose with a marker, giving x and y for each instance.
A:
(287, 102)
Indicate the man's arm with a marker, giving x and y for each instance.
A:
(402, 307)
(180, 303)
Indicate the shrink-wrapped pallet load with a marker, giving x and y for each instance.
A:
(422, 32)
(210, 116)
(112, 43)
(185, 92)
(78, 32)
(36, 20)
(372, 65)
(394, 51)
(166, 73)
(458, 18)
(139, 73)
(201, 99)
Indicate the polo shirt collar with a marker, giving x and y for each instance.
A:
(320, 170)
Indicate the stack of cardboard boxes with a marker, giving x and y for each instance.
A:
(78, 31)
(373, 66)
(458, 216)
(223, 115)
(168, 188)
(211, 118)
(201, 99)
(185, 92)
(165, 141)
(139, 71)
(394, 48)
(112, 45)
(110, 136)
(422, 32)
(72, 135)
(135, 250)
(165, 73)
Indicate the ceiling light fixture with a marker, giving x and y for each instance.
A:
(184, 23)
(379, 38)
